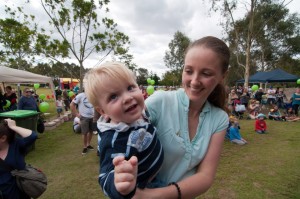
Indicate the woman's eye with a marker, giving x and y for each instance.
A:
(206, 73)
(188, 71)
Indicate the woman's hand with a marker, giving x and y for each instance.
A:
(125, 174)
(10, 123)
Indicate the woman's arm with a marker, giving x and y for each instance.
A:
(19, 130)
(196, 184)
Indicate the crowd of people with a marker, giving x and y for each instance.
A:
(166, 145)
(245, 103)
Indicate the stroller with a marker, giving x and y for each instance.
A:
(238, 109)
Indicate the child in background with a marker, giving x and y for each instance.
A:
(274, 114)
(113, 91)
(234, 132)
(260, 124)
(59, 105)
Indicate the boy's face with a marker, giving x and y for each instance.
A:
(261, 118)
(121, 102)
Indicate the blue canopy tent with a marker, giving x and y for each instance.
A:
(277, 75)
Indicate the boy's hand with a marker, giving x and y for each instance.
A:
(125, 174)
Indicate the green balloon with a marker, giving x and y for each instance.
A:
(44, 106)
(71, 94)
(152, 82)
(150, 90)
(42, 96)
(7, 104)
(298, 81)
(254, 87)
(148, 80)
(36, 86)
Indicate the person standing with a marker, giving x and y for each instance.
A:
(271, 95)
(84, 111)
(296, 101)
(66, 99)
(59, 105)
(12, 97)
(27, 101)
(2, 101)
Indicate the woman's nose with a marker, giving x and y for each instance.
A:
(195, 79)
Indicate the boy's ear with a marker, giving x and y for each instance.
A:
(100, 110)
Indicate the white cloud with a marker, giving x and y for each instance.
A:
(151, 25)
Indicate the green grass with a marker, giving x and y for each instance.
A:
(267, 167)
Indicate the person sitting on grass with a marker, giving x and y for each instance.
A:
(274, 114)
(260, 124)
(254, 109)
(234, 132)
(291, 116)
(113, 91)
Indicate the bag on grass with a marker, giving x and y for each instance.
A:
(31, 181)
(240, 108)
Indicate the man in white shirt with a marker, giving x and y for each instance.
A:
(84, 110)
(271, 95)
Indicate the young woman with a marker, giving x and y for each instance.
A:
(191, 125)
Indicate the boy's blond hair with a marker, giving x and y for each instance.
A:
(114, 72)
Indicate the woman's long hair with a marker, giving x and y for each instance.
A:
(6, 131)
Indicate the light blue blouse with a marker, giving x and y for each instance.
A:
(168, 111)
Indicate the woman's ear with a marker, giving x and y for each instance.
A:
(3, 138)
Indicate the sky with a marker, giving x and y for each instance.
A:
(151, 25)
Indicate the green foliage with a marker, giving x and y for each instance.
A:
(272, 36)
(170, 79)
(142, 75)
(22, 42)
(174, 57)
(83, 31)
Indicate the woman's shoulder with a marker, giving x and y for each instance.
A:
(161, 96)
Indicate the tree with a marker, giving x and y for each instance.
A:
(275, 37)
(81, 29)
(127, 59)
(22, 43)
(174, 57)
(248, 35)
(142, 75)
(169, 79)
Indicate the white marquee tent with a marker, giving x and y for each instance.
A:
(10, 75)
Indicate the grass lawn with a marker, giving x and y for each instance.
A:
(267, 167)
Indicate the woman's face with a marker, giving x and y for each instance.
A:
(201, 74)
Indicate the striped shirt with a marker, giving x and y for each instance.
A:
(138, 139)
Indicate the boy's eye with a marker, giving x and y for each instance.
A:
(113, 97)
(130, 88)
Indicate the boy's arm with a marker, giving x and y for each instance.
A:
(115, 186)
